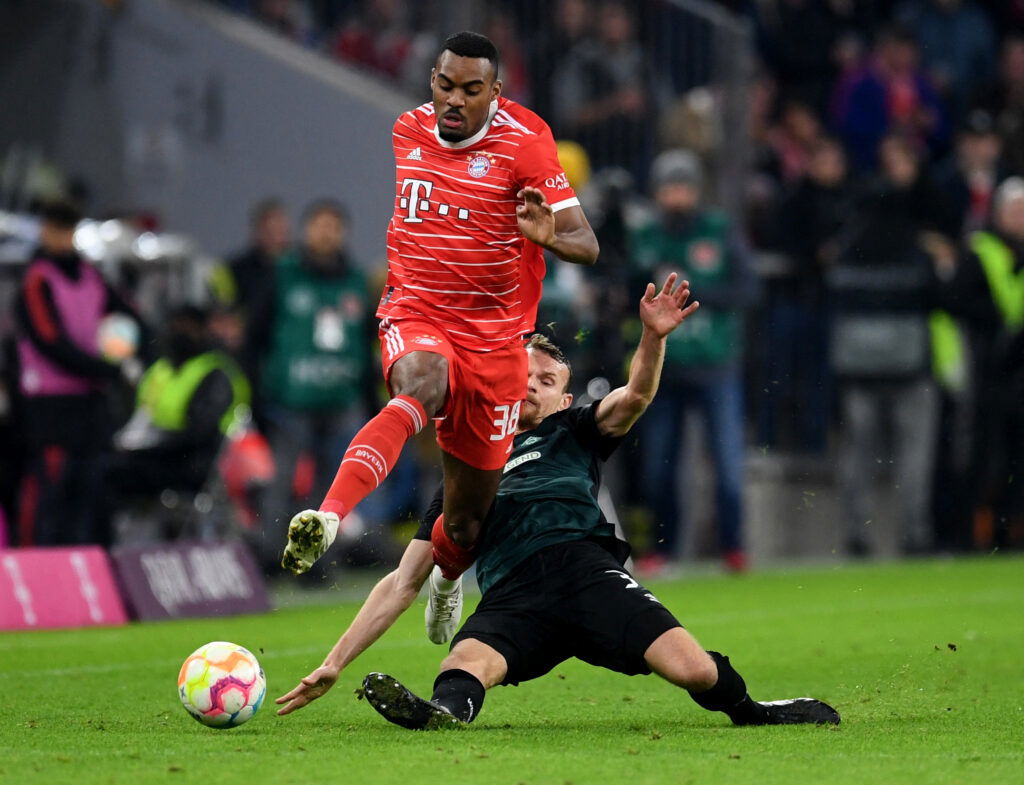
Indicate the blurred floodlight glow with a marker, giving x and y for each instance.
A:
(147, 246)
(88, 240)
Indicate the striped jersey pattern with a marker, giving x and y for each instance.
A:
(456, 256)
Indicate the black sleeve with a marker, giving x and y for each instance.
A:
(433, 511)
(258, 329)
(209, 403)
(968, 295)
(61, 350)
(583, 424)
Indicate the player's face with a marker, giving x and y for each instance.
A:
(545, 389)
(463, 88)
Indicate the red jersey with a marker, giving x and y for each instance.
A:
(456, 256)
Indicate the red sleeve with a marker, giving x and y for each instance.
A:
(537, 165)
(37, 306)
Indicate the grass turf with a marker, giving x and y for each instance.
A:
(922, 660)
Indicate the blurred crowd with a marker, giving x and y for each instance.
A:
(862, 291)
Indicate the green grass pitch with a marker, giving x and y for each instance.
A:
(922, 659)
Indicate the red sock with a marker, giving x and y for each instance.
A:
(451, 558)
(373, 452)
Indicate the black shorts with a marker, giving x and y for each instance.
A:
(568, 600)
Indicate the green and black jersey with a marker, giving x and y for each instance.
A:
(548, 494)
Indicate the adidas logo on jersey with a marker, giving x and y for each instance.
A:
(415, 155)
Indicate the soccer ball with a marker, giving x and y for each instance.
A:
(221, 684)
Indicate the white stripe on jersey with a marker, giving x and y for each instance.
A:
(504, 118)
(461, 307)
(459, 264)
(460, 291)
(476, 183)
(572, 201)
(457, 237)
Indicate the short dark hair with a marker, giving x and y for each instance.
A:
(544, 344)
(61, 213)
(263, 208)
(470, 44)
(325, 205)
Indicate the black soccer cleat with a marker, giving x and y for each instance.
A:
(401, 706)
(799, 711)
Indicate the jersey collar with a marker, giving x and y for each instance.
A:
(475, 137)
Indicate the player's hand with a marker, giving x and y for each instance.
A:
(661, 312)
(536, 220)
(308, 690)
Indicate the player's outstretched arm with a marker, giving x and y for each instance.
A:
(392, 595)
(567, 233)
(660, 313)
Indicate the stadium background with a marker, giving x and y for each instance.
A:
(175, 117)
(169, 119)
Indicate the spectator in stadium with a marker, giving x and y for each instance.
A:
(798, 380)
(796, 40)
(500, 27)
(252, 269)
(703, 360)
(570, 23)
(987, 293)
(884, 285)
(64, 378)
(1003, 99)
(969, 176)
(376, 37)
(890, 95)
(551, 570)
(247, 280)
(186, 402)
(957, 43)
(792, 139)
(313, 329)
(604, 95)
(290, 18)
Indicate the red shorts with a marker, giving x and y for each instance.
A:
(485, 390)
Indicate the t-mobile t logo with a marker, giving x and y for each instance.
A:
(418, 199)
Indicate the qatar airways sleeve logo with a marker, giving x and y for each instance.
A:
(415, 200)
(559, 183)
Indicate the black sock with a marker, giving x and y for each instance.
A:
(729, 695)
(460, 692)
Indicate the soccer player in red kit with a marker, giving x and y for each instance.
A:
(479, 195)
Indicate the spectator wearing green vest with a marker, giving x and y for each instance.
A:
(987, 294)
(186, 402)
(703, 359)
(312, 333)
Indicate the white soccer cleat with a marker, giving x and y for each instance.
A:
(444, 606)
(310, 534)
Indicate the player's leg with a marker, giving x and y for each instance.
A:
(476, 438)
(511, 637)
(466, 674)
(716, 686)
(468, 495)
(419, 382)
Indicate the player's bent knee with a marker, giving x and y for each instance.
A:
(677, 657)
(464, 530)
(423, 376)
(478, 658)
